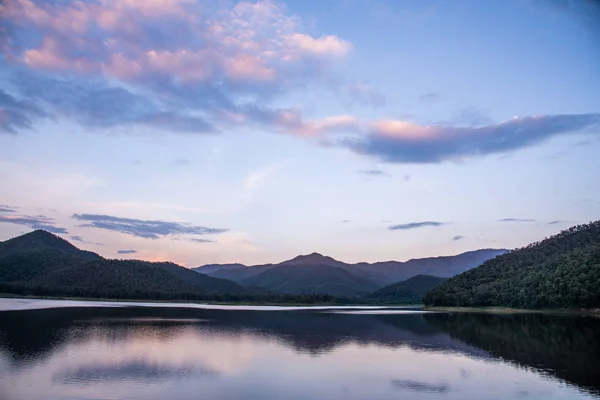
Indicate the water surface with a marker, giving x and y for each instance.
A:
(125, 351)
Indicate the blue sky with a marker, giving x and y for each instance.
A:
(250, 132)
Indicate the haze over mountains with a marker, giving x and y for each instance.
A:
(42, 263)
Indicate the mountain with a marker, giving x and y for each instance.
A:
(208, 268)
(314, 259)
(41, 240)
(133, 279)
(36, 253)
(562, 271)
(45, 264)
(444, 266)
(308, 279)
(42, 263)
(237, 274)
(410, 291)
(382, 273)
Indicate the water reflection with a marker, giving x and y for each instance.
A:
(135, 370)
(158, 353)
(417, 386)
(564, 346)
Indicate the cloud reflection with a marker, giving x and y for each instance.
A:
(132, 371)
(416, 386)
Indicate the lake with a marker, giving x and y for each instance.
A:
(87, 350)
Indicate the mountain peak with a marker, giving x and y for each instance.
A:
(41, 240)
(40, 233)
(313, 259)
(40, 237)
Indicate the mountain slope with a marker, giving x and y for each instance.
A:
(36, 253)
(237, 274)
(307, 279)
(410, 291)
(41, 240)
(133, 279)
(208, 268)
(206, 283)
(562, 271)
(40, 262)
(314, 259)
(444, 266)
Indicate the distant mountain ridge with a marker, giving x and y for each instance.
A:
(381, 273)
(314, 259)
(216, 267)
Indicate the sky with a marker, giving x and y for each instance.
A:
(223, 131)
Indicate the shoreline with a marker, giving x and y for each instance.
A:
(473, 310)
(509, 310)
(211, 303)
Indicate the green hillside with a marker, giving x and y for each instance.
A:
(132, 279)
(39, 241)
(410, 291)
(44, 264)
(562, 271)
(37, 253)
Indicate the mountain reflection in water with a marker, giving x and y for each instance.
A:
(158, 353)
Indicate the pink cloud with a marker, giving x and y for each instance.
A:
(246, 67)
(177, 51)
(108, 19)
(404, 129)
(73, 18)
(187, 65)
(329, 45)
(50, 56)
(406, 142)
(331, 124)
(291, 122)
(251, 43)
(150, 7)
(122, 68)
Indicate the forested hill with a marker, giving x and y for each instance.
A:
(562, 271)
(41, 263)
(42, 241)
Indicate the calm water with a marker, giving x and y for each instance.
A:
(111, 352)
